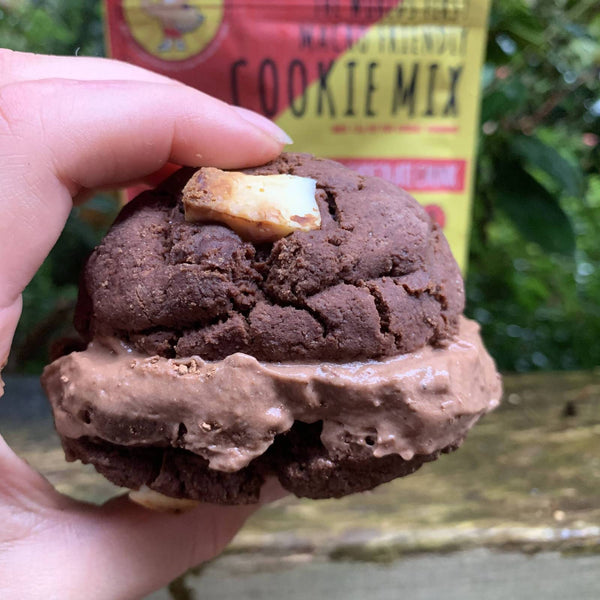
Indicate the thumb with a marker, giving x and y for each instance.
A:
(136, 551)
(60, 136)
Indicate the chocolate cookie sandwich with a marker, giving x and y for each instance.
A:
(295, 320)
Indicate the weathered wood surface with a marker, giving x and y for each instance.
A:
(527, 479)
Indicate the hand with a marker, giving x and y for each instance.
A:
(68, 125)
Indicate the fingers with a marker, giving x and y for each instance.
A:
(24, 496)
(118, 551)
(96, 133)
(149, 549)
(133, 550)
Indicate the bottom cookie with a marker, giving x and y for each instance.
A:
(297, 458)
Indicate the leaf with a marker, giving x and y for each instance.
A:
(506, 100)
(518, 19)
(537, 154)
(533, 210)
(527, 30)
(495, 106)
(44, 31)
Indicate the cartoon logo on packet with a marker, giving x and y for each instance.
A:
(173, 29)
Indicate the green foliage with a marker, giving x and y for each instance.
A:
(52, 26)
(532, 208)
(534, 272)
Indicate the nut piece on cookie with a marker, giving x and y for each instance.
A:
(259, 208)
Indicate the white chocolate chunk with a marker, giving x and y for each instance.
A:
(156, 501)
(259, 208)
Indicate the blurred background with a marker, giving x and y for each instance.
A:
(534, 269)
(528, 478)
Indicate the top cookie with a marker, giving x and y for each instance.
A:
(378, 279)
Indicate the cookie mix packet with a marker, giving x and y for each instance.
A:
(389, 88)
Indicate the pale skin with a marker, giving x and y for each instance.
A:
(68, 126)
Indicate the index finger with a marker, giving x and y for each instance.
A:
(60, 136)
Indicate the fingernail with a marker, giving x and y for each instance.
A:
(265, 124)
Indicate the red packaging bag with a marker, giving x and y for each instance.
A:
(388, 88)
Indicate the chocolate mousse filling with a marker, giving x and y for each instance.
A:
(228, 414)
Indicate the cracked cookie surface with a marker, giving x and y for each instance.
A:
(376, 280)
